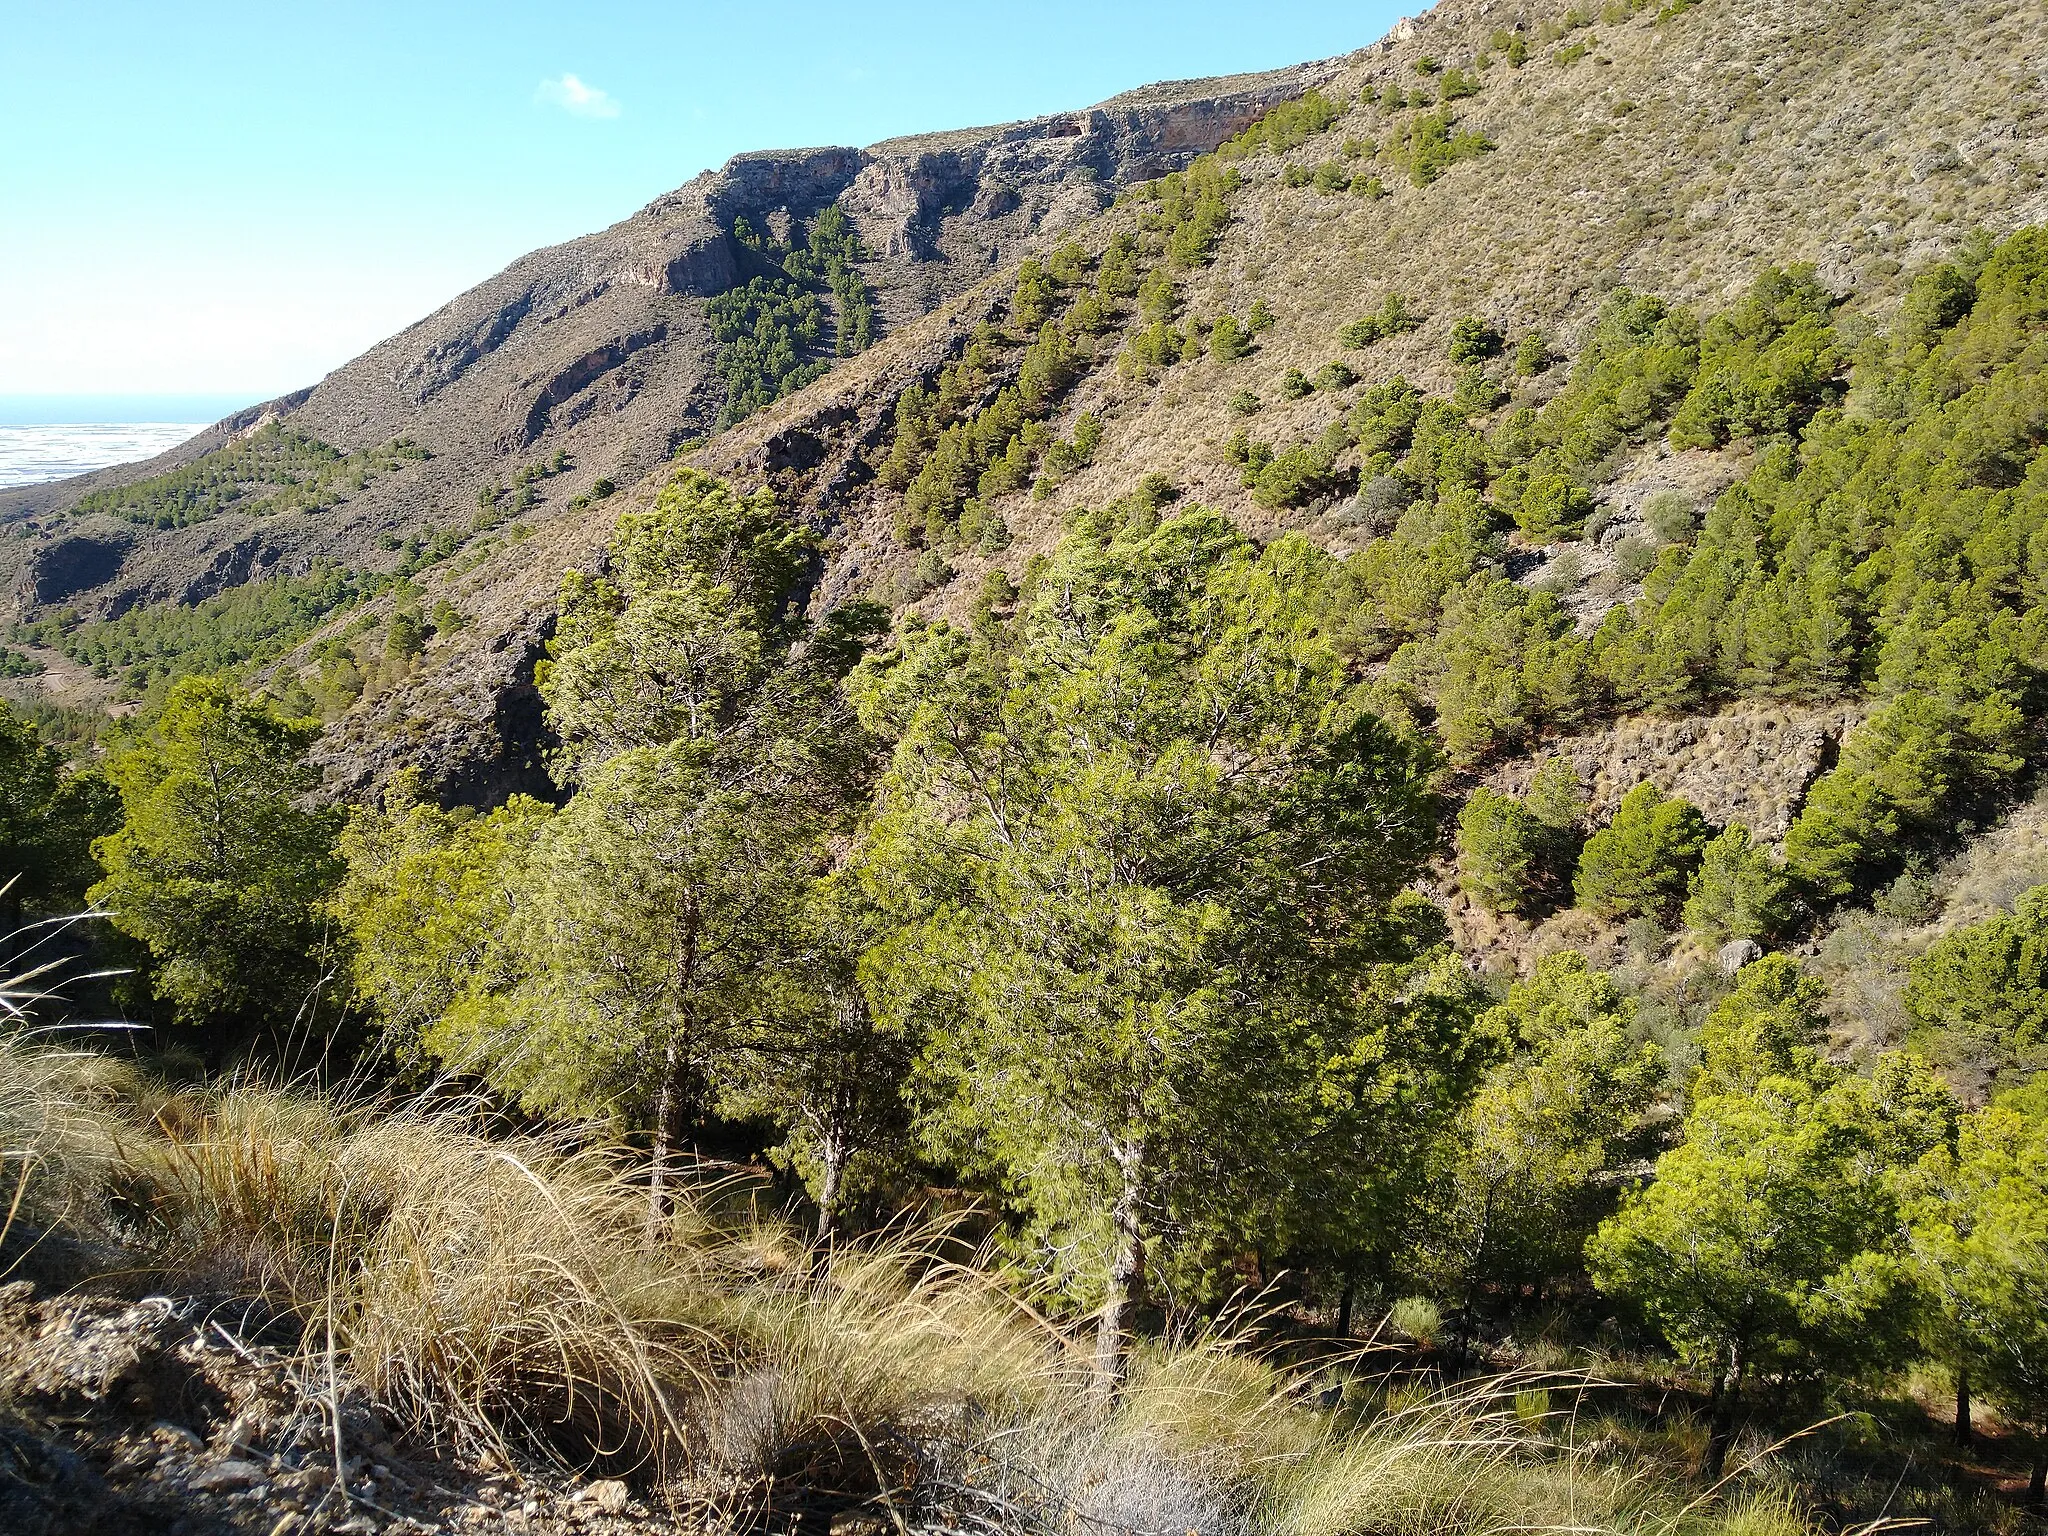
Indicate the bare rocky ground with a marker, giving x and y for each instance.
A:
(164, 1417)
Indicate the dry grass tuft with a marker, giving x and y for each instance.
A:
(497, 1293)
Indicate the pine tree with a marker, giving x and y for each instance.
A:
(218, 867)
(1638, 864)
(1150, 884)
(1738, 891)
(1500, 851)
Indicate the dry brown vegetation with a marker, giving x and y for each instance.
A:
(494, 1298)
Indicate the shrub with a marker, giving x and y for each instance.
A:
(1294, 384)
(1669, 516)
(1394, 316)
(1335, 376)
(1244, 403)
(1473, 340)
(1989, 980)
(1532, 355)
(1417, 1318)
(1633, 558)
(1639, 863)
(1228, 341)
(1457, 84)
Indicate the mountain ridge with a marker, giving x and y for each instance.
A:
(1679, 153)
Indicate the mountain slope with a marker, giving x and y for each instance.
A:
(1676, 153)
(600, 348)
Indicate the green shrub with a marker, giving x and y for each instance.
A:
(1900, 775)
(1669, 516)
(1335, 376)
(1457, 84)
(1638, 865)
(1417, 1318)
(1394, 316)
(1294, 384)
(1228, 341)
(1473, 340)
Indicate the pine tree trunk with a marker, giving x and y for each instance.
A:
(668, 1134)
(1721, 1418)
(672, 1112)
(1963, 1430)
(1126, 1271)
(835, 1153)
(2037, 1485)
(1344, 1307)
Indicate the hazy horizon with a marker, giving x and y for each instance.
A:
(61, 410)
(431, 146)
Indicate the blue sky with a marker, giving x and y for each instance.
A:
(232, 199)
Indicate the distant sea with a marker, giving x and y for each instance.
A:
(49, 437)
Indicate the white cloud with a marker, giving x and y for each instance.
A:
(572, 95)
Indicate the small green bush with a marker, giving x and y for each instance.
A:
(1394, 316)
(1473, 340)
(1669, 516)
(1417, 1318)
(1228, 341)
